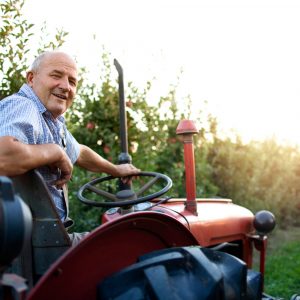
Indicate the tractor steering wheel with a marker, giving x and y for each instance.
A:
(124, 197)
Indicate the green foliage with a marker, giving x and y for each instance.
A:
(15, 37)
(86, 217)
(283, 271)
(258, 175)
(153, 143)
(94, 117)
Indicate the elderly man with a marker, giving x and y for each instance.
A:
(33, 133)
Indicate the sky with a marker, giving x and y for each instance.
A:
(239, 60)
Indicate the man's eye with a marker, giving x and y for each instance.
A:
(55, 76)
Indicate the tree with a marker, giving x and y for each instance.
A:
(153, 143)
(257, 175)
(15, 35)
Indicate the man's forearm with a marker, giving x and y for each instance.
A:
(91, 161)
(17, 158)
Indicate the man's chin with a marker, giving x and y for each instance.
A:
(57, 112)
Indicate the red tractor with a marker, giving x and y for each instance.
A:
(147, 247)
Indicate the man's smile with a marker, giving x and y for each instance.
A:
(60, 96)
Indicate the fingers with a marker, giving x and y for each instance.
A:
(127, 170)
(62, 178)
(63, 169)
(60, 183)
(135, 170)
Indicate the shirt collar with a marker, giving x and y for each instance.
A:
(27, 91)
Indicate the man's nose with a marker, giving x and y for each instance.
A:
(65, 85)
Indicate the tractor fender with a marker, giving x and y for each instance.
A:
(108, 249)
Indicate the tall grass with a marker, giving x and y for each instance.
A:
(258, 175)
(282, 277)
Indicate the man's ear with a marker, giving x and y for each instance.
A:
(29, 78)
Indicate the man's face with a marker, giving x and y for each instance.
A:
(55, 82)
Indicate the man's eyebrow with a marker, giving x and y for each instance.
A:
(57, 71)
(61, 72)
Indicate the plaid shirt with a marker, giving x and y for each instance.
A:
(23, 116)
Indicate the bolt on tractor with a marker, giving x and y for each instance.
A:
(147, 247)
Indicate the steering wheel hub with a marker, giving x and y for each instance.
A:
(125, 197)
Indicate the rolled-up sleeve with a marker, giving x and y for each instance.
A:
(73, 148)
(18, 118)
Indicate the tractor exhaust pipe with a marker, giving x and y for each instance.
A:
(187, 128)
(124, 157)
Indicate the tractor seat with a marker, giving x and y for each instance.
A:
(49, 236)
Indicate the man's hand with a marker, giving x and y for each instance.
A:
(18, 158)
(124, 170)
(63, 167)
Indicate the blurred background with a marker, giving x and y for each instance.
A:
(232, 66)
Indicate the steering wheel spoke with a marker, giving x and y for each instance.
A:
(101, 192)
(147, 186)
(116, 201)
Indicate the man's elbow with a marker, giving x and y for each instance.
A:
(11, 163)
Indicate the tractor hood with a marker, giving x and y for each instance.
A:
(217, 220)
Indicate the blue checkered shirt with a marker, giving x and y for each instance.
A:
(23, 116)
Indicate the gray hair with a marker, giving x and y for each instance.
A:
(37, 62)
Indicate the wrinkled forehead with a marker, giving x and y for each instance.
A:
(60, 61)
